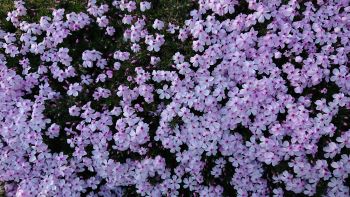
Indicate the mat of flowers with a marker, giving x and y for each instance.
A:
(241, 98)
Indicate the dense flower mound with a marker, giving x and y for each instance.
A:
(245, 98)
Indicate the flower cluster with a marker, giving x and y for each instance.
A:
(255, 102)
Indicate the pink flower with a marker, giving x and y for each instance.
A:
(74, 111)
(53, 131)
(74, 89)
(158, 24)
(145, 5)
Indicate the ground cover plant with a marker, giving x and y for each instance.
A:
(175, 98)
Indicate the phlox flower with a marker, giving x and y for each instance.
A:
(74, 89)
